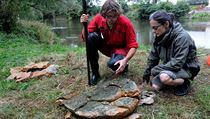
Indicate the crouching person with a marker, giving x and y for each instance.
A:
(113, 35)
(176, 50)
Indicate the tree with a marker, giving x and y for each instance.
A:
(154, 1)
(8, 15)
(124, 6)
(11, 10)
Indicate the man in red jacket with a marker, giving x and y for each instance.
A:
(113, 35)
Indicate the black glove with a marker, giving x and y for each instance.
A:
(146, 79)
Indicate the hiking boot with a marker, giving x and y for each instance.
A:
(183, 89)
(94, 79)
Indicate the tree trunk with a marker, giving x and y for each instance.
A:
(154, 1)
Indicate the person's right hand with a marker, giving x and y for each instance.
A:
(84, 18)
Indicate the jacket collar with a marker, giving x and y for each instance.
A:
(166, 39)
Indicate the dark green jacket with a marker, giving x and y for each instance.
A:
(176, 50)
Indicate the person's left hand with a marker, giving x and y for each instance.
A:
(122, 63)
(84, 18)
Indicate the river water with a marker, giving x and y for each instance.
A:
(70, 30)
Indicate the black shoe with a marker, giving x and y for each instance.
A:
(183, 89)
(94, 79)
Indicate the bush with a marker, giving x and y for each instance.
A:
(168, 6)
(180, 9)
(146, 9)
(132, 13)
(203, 16)
(125, 7)
(36, 30)
(8, 16)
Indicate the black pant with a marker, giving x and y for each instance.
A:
(94, 43)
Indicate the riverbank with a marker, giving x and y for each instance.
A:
(36, 98)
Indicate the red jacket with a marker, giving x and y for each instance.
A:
(119, 39)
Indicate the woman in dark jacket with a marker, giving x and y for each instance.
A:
(176, 50)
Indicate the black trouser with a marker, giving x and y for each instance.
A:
(94, 43)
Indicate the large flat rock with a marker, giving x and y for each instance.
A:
(112, 99)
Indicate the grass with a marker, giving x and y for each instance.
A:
(205, 16)
(19, 51)
(36, 98)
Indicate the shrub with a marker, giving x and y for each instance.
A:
(202, 15)
(180, 9)
(132, 14)
(125, 7)
(168, 6)
(36, 30)
(8, 16)
(146, 9)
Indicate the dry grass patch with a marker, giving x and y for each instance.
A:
(38, 99)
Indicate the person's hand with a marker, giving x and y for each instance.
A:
(84, 18)
(122, 64)
(146, 79)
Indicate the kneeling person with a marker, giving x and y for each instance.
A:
(177, 52)
(113, 35)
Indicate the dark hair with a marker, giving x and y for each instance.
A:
(110, 5)
(162, 17)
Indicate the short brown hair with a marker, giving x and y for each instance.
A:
(110, 5)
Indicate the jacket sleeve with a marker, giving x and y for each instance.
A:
(93, 25)
(152, 61)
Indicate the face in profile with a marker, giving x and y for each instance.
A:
(157, 28)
